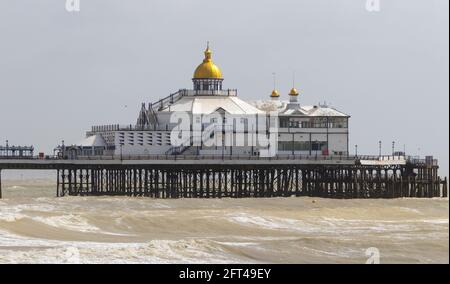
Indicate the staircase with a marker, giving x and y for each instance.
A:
(178, 150)
(186, 145)
(148, 117)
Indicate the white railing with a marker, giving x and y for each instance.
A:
(208, 92)
(409, 159)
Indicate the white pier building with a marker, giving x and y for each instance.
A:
(210, 120)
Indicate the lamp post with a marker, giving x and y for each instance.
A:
(223, 139)
(317, 147)
(292, 145)
(253, 150)
(121, 158)
(393, 148)
(356, 150)
(7, 146)
(379, 148)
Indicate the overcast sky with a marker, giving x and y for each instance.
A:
(62, 72)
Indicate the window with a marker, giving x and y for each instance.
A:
(318, 145)
(306, 124)
(296, 145)
(284, 122)
(294, 124)
(338, 122)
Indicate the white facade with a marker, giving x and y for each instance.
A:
(309, 130)
(210, 121)
(301, 130)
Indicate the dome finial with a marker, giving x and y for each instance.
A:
(208, 53)
(293, 91)
(207, 69)
(275, 94)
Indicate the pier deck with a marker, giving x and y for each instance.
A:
(216, 176)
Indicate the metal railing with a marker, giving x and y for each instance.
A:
(170, 99)
(217, 157)
(287, 157)
(222, 157)
(230, 92)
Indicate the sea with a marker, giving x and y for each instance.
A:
(37, 227)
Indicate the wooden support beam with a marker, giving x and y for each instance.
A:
(200, 181)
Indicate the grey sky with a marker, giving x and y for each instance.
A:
(60, 72)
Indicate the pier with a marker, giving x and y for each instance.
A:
(179, 176)
(206, 142)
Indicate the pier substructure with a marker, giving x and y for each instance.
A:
(239, 181)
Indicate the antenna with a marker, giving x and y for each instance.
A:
(293, 79)
(274, 80)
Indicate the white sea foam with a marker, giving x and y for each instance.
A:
(436, 221)
(264, 222)
(154, 251)
(68, 222)
(16, 187)
(11, 217)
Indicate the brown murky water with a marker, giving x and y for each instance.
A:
(36, 227)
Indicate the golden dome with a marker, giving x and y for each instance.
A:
(207, 70)
(293, 92)
(275, 94)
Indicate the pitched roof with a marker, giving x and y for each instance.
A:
(288, 108)
(209, 104)
(323, 111)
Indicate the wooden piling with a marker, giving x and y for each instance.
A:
(203, 181)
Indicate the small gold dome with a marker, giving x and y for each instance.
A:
(207, 70)
(293, 92)
(275, 94)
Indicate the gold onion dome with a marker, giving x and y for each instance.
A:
(275, 94)
(207, 70)
(293, 92)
